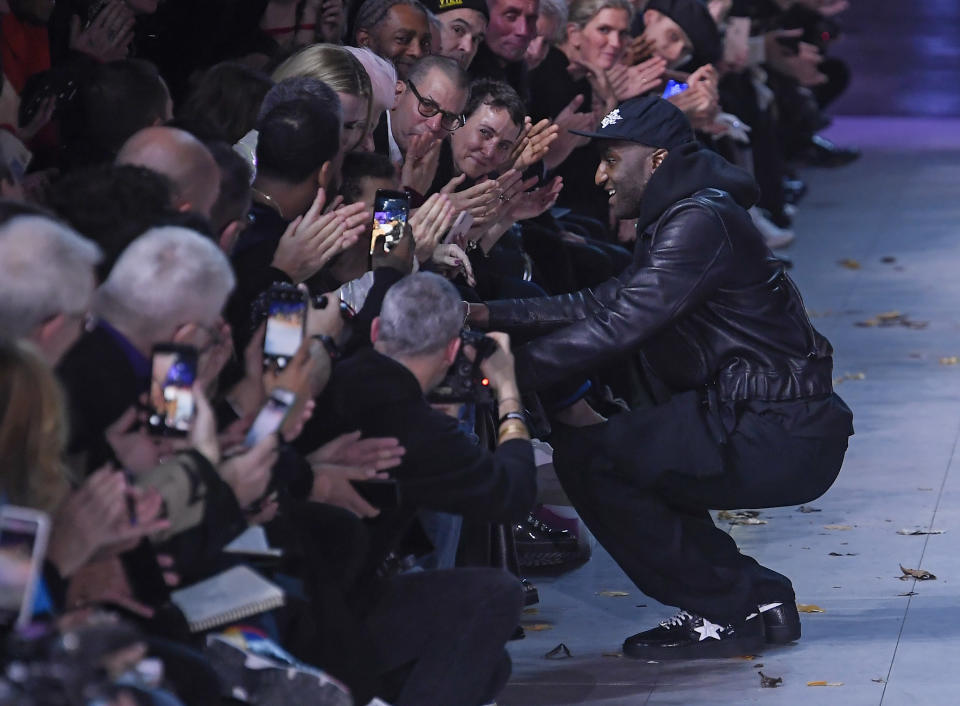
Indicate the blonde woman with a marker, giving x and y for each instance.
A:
(339, 69)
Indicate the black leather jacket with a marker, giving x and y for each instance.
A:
(704, 300)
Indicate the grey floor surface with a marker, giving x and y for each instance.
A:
(896, 214)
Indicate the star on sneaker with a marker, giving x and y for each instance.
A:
(690, 636)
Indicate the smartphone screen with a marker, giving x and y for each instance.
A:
(286, 321)
(173, 373)
(674, 88)
(23, 543)
(271, 416)
(461, 226)
(390, 211)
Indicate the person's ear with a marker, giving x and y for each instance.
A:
(375, 329)
(573, 35)
(362, 37)
(451, 353)
(46, 335)
(229, 235)
(649, 17)
(324, 174)
(657, 158)
(398, 91)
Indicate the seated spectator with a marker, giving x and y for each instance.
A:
(382, 393)
(511, 28)
(383, 81)
(398, 30)
(117, 100)
(46, 283)
(230, 215)
(551, 29)
(225, 102)
(342, 72)
(180, 157)
(111, 205)
(463, 24)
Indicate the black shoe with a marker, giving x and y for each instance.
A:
(531, 596)
(688, 636)
(540, 545)
(822, 152)
(781, 622)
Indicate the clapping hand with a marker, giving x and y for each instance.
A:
(429, 223)
(632, 81)
(420, 162)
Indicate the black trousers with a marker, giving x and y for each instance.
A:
(644, 481)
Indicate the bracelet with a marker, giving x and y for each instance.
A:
(519, 416)
(333, 350)
(513, 428)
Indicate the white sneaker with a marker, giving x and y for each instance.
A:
(774, 236)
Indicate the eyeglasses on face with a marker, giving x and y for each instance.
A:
(429, 107)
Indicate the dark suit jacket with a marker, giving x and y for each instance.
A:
(442, 469)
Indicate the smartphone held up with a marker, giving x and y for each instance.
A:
(390, 212)
(173, 371)
(286, 324)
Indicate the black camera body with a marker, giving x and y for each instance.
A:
(464, 381)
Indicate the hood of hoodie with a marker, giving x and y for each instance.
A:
(687, 170)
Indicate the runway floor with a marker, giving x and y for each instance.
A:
(894, 216)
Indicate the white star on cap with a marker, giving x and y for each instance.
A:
(611, 118)
(709, 629)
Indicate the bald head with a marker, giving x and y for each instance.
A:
(180, 157)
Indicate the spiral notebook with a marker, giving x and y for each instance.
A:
(233, 595)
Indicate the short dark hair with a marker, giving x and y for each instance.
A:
(297, 137)
(112, 205)
(363, 165)
(299, 87)
(234, 194)
(496, 94)
(373, 12)
(121, 98)
(450, 68)
(225, 101)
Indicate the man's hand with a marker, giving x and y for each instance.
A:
(94, 520)
(400, 257)
(499, 367)
(203, 431)
(339, 491)
(532, 145)
(312, 240)
(248, 395)
(109, 35)
(480, 200)
(420, 163)
(360, 459)
(330, 22)
(248, 473)
(640, 49)
(604, 95)
(803, 65)
(569, 119)
(429, 224)
(632, 81)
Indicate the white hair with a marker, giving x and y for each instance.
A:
(46, 269)
(420, 314)
(383, 77)
(167, 277)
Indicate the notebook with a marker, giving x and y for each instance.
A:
(235, 594)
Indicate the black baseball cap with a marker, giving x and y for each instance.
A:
(647, 120)
(438, 7)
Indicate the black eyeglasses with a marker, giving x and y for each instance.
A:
(429, 107)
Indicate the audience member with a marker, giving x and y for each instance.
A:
(225, 102)
(512, 26)
(463, 24)
(398, 30)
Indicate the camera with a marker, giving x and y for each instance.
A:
(464, 382)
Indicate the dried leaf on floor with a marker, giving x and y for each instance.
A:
(839, 528)
(613, 594)
(888, 259)
(612, 654)
(769, 682)
(808, 508)
(878, 680)
(538, 627)
(849, 263)
(949, 360)
(758, 666)
(849, 376)
(530, 611)
(919, 574)
(892, 318)
(748, 521)
(917, 531)
(809, 608)
(737, 514)
(908, 594)
(824, 683)
(839, 554)
(561, 651)
(747, 658)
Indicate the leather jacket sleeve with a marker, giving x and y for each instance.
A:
(686, 263)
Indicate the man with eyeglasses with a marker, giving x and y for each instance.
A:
(430, 101)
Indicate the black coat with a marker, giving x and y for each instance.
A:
(704, 299)
(443, 469)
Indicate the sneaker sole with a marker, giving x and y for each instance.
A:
(781, 634)
(712, 649)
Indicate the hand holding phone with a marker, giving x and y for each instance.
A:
(391, 209)
(23, 544)
(271, 417)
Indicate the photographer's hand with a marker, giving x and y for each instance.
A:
(499, 368)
